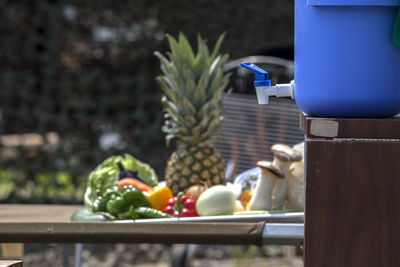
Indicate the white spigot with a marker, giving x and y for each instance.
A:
(263, 86)
(278, 90)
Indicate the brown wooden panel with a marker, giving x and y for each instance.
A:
(388, 128)
(352, 214)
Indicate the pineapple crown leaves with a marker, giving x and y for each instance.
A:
(193, 86)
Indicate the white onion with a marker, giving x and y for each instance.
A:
(217, 200)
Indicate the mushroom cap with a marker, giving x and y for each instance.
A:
(271, 168)
(286, 153)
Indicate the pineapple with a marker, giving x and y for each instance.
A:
(193, 86)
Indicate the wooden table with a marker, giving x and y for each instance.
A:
(51, 224)
(352, 213)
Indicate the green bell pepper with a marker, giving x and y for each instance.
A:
(85, 215)
(135, 197)
(126, 203)
(121, 203)
(112, 192)
(99, 204)
(118, 206)
(145, 212)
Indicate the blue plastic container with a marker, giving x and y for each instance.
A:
(346, 64)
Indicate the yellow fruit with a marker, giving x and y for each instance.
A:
(246, 196)
(159, 197)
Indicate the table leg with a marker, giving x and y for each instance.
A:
(78, 254)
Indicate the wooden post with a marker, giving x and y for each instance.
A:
(352, 210)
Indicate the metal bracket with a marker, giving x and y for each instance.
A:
(283, 233)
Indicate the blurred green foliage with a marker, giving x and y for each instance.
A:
(43, 187)
(84, 71)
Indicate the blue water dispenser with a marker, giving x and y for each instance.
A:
(347, 63)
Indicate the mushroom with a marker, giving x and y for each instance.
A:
(295, 195)
(283, 156)
(270, 173)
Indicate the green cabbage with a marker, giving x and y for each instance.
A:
(106, 175)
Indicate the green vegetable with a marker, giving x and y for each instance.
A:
(129, 214)
(85, 215)
(117, 205)
(99, 180)
(133, 214)
(144, 171)
(122, 200)
(134, 196)
(100, 204)
(122, 203)
(144, 212)
(106, 175)
(112, 192)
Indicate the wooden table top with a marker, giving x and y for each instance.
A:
(36, 213)
(51, 224)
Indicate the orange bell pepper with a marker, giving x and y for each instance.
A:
(158, 197)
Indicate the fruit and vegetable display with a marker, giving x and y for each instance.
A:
(124, 188)
(193, 84)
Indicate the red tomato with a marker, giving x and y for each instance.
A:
(190, 204)
(172, 201)
(194, 213)
(169, 210)
(187, 213)
(184, 198)
(176, 214)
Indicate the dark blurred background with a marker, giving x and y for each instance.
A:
(77, 81)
